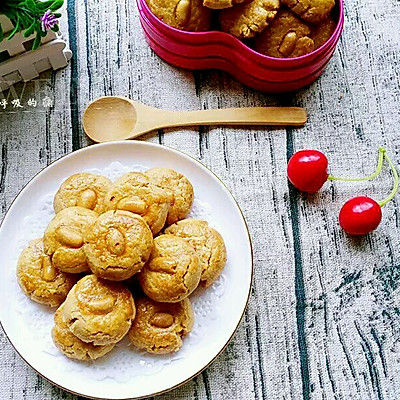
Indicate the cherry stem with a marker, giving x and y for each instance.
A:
(396, 182)
(382, 153)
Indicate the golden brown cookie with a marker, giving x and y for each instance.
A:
(118, 245)
(135, 192)
(181, 188)
(221, 4)
(247, 20)
(173, 271)
(39, 279)
(208, 244)
(83, 190)
(187, 15)
(323, 32)
(160, 327)
(63, 239)
(286, 37)
(98, 311)
(73, 347)
(313, 11)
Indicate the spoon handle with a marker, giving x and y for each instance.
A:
(276, 116)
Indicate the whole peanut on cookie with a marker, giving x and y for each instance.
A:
(286, 37)
(187, 15)
(313, 11)
(247, 20)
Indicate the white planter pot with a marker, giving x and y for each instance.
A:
(20, 63)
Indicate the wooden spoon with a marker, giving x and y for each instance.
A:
(118, 118)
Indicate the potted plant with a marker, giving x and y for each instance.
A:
(32, 17)
(29, 43)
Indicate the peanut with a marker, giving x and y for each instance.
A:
(69, 237)
(87, 199)
(102, 305)
(162, 320)
(288, 44)
(162, 264)
(182, 11)
(49, 273)
(115, 242)
(133, 204)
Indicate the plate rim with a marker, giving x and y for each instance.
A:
(179, 153)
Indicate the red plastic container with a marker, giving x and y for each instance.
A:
(219, 50)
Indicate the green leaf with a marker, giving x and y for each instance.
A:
(30, 30)
(31, 4)
(15, 30)
(56, 5)
(44, 5)
(25, 19)
(1, 33)
(37, 42)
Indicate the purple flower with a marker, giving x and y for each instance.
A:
(48, 20)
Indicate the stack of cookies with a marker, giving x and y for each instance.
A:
(282, 28)
(108, 238)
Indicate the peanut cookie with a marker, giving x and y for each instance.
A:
(221, 4)
(207, 242)
(323, 32)
(187, 15)
(39, 279)
(286, 37)
(73, 347)
(313, 11)
(160, 327)
(117, 245)
(247, 20)
(83, 190)
(181, 188)
(173, 271)
(135, 192)
(63, 238)
(98, 311)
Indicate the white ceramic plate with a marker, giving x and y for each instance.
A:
(125, 373)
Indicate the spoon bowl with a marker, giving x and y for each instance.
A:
(113, 118)
(109, 117)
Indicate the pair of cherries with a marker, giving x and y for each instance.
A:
(307, 171)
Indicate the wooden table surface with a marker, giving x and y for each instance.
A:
(324, 315)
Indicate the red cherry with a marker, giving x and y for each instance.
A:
(307, 170)
(360, 215)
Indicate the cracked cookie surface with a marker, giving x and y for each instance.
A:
(286, 37)
(39, 279)
(313, 11)
(98, 311)
(118, 245)
(247, 20)
(323, 32)
(84, 190)
(187, 15)
(173, 271)
(181, 188)
(208, 244)
(160, 327)
(221, 4)
(135, 192)
(63, 239)
(73, 347)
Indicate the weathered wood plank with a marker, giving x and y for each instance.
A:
(323, 317)
(350, 285)
(31, 138)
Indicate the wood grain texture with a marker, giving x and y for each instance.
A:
(323, 319)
